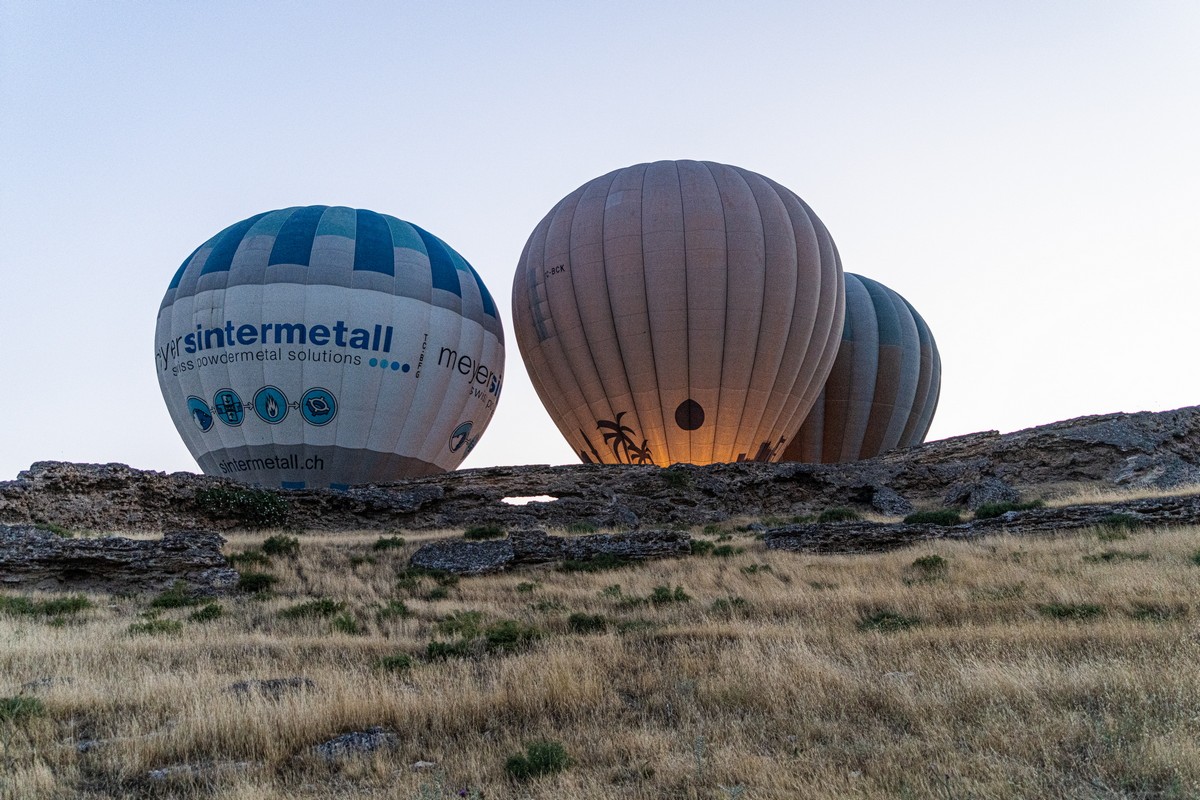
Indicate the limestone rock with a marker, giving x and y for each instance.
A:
(32, 558)
(356, 743)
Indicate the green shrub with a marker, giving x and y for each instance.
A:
(395, 609)
(1120, 522)
(252, 508)
(478, 532)
(540, 758)
(663, 594)
(1156, 612)
(931, 565)
(346, 623)
(401, 662)
(249, 558)
(991, 510)
(713, 528)
(1109, 556)
(1080, 612)
(256, 582)
(313, 609)
(525, 587)
(178, 596)
(436, 651)
(945, 516)
(677, 477)
(604, 561)
(508, 635)
(207, 613)
(754, 569)
(887, 621)
(56, 529)
(549, 606)
(587, 623)
(839, 514)
(612, 590)
(1196, 558)
(154, 627)
(700, 547)
(281, 545)
(388, 543)
(467, 624)
(20, 707)
(53, 607)
(727, 550)
(726, 606)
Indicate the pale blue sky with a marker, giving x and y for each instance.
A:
(1025, 173)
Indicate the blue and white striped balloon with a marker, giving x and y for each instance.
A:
(327, 346)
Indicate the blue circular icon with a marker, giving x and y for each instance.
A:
(318, 407)
(459, 437)
(229, 407)
(200, 413)
(270, 404)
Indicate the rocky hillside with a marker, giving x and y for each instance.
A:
(1115, 450)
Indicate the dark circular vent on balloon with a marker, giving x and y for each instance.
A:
(689, 415)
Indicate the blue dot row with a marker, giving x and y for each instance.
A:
(394, 366)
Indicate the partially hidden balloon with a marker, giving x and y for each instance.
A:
(680, 311)
(884, 387)
(327, 346)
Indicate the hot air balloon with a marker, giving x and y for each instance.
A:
(328, 346)
(884, 386)
(680, 311)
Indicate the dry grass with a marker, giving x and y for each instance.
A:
(1092, 494)
(1037, 667)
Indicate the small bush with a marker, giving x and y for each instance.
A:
(395, 609)
(838, 515)
(677, 478)
(437, 651)
(549, 606)
(256, 582)
(1080, 612)
(313, 609)
(1196, 558)
(249, 558)
(20, 707)
(663, 594)
(604, 561)
(508, 635)
(991, 510)
(700, 547)
(1110, 556)
(281, 546)
(887, 621)
(401, 662)
(1122, 523)
(612, 590)
(252, 508)
(727, 550)
(388, 543)
(931, 565)
(207, 613)
(540, 758)
(178, 596)
(587, 623)
(945, 516)
(154, 627)
(346, 623)
(462, 623)
(479, 532)
(53, 607)
(525, 587)
(726, 606)
(56, 529)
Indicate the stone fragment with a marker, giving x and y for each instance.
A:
(356, 743)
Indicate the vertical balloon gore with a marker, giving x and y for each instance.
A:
(328, 346)
(679, 311)
(883, 390)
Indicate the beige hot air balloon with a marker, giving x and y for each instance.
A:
(680, 311)
(884, 386)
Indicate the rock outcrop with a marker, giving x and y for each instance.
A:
(537, 547)
(33, 558)
(1115, 450)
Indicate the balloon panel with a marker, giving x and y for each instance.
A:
(328, 346)
(679, 311)
(883, 389)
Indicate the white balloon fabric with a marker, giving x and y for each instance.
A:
(328, 346)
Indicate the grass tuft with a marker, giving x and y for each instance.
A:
(941, 516)
(540, 758)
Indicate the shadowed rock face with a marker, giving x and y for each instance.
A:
(32, 558)
(1116, 450)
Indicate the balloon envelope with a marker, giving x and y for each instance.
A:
(679, 311)
(884, 387)
(328, 346)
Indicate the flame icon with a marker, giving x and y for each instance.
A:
(272, 406)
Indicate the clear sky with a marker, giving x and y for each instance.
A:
(1025, 173)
